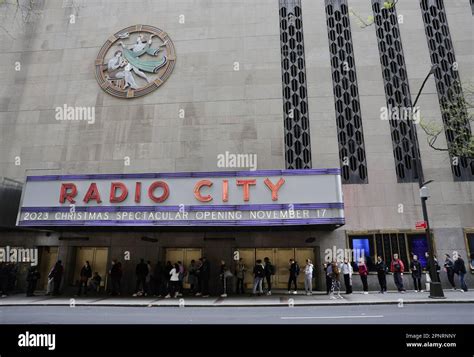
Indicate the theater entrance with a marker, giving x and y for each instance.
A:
(280, 259)
(184, 255)
(97, 257)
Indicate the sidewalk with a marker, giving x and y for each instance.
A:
(319, 299)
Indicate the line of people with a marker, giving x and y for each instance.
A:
(167, 280)
(333, 270)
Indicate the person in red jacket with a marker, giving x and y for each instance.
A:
(363, 272)
(397, 268)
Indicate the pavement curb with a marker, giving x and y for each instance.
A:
(328, 303)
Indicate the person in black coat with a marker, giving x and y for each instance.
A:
(116, 277)
(3, 279)
(204, 276)
(382, 270)
(32, 279)
(141, 272)
(416, 269)
(57, 275)
(460, 269)
(85, 275)
(157, 282)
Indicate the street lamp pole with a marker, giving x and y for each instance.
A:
(436, 290)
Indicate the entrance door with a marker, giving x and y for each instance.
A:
(282, 265)
(48, 257)
(184, 255)
(97, 257)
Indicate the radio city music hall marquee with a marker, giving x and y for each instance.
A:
(225, 198)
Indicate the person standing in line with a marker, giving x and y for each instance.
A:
(460, 269)
(166, 277)
(4, 279)
(157, 281)
(149, 279)
(205, 276)
(116, 277)
(381, 268)
(397, 268)
(32, 279)
(240, 270)
(347, 271)
(182, 275)
(335, 283)
(294, 272)
(436, 264)
(57, 275)
(86, 273)
(141, 271)
(327, 271)
(363, 272)
(192, 279)
(308, 277)
(174, 282)
(269, 271)
(223, 278)
(259, 275)
(448, 267)
(415, 268)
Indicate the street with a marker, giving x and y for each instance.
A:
(459, 313)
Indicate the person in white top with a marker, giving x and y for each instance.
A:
(174, 282)
(308, 277)
(346, 269)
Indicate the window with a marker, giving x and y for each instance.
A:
(387, 244)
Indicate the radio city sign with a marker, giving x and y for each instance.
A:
(224, 198)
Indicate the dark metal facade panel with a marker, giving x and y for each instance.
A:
(397, 90)
(295, 94)
(448, 84)
(346, 94)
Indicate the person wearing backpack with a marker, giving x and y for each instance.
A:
(308, 277)
(415, 268)
(397, 268)
(294, 272)
(269, 271)
(259, 275)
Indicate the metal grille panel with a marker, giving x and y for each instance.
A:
(397, 90)
(448, 83)
(295, 97)
(346, 94)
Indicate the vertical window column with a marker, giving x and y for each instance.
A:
(295, 98)
(346, 94)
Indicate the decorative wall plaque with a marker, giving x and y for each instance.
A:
(135, 61)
